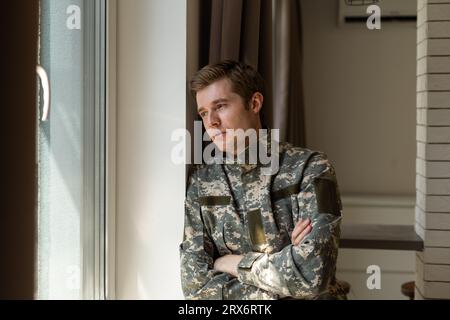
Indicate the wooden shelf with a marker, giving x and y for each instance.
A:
(387, 237)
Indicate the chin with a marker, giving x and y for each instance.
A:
(221, 145)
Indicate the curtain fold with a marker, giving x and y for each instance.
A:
(288, 114)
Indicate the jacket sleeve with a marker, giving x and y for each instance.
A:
(303, 271)
(199, 280)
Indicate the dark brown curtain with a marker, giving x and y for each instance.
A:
(288, 111)
(18, 36)
(265, 34)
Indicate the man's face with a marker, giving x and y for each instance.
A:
(221, 109)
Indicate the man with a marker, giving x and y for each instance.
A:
(249, 235)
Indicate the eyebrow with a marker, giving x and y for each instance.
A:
(214, 102)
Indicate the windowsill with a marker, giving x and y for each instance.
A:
(388, 237)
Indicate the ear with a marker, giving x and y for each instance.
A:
(256, 102)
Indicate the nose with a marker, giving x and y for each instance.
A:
(213, 120)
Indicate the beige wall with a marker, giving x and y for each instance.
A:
(360, 99)
(151, 103)
(361, 110)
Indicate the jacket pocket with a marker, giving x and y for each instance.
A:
(221, 223)
(233, 236)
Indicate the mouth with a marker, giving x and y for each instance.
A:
(218, 134)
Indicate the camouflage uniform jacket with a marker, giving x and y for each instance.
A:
(234, 209)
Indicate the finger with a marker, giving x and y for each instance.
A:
(299, 228)
(303, 234)
(301, 225)
(295, 231)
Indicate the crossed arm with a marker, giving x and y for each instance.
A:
(229, 263)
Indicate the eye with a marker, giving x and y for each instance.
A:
(203, 114)
(220, 106)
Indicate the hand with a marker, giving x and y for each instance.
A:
(302, 228)
(228, 263)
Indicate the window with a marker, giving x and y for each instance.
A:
(71, 151)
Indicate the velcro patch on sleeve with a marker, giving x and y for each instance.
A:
(326, 196)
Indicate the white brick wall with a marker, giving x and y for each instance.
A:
(433, 149)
